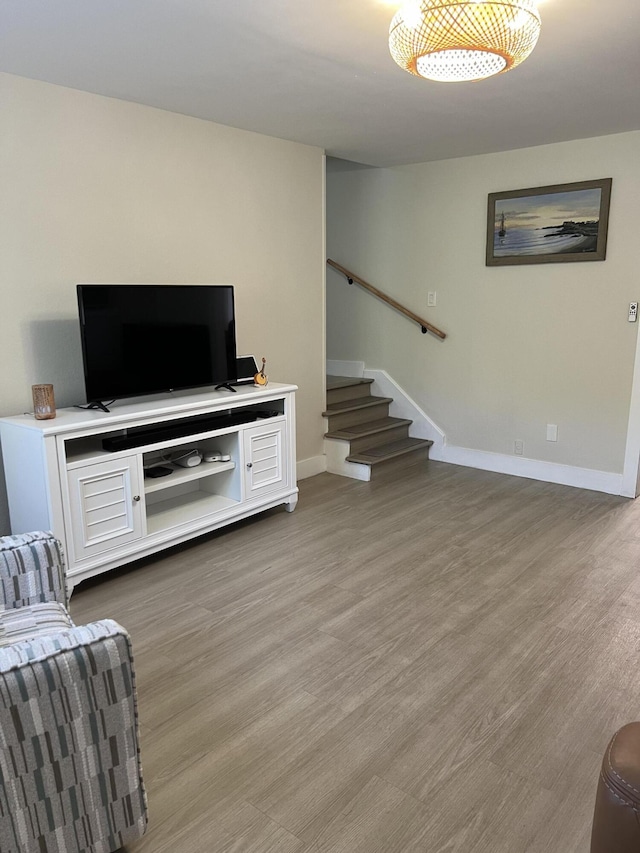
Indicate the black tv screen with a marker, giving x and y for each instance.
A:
(145, 338)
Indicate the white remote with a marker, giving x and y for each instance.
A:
(214, 456)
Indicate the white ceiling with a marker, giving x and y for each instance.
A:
(319, 72)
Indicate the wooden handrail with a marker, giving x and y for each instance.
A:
(351, 278)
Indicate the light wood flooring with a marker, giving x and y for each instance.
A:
(433, 661)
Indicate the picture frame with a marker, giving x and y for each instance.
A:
(561, 223)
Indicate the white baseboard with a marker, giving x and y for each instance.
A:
(310, 467)
(345, 368)
(404, 407)
(534, 469)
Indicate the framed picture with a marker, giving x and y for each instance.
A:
(544, 225)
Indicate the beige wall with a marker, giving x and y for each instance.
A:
(100, 190)
(527, 345)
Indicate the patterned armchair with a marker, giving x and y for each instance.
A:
(70, 775)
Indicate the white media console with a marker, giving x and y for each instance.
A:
(82, 474)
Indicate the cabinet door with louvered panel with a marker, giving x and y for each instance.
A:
(265, 460)
(106, 504)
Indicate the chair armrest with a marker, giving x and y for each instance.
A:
(616, 827)
(70, 757)
(31, 570)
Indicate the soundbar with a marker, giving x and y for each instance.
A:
(139, 436)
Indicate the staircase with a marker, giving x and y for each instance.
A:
(361, 434)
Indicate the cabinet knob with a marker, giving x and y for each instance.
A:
(136, 498)
(249, 464)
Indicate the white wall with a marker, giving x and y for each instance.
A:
(99, 190)
(526, 345)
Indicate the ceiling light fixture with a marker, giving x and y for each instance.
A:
(449, 42)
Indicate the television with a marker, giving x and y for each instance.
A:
(142, 339)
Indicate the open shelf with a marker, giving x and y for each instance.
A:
(181, 509)
(67, 474)
(186, 475)
(80, 451)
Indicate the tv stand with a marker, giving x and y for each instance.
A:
(82, 474)
(226, 386)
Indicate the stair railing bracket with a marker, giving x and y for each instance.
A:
(353, 278)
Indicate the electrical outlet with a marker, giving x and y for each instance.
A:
(552, 432)
(518, 447)
(432, 297)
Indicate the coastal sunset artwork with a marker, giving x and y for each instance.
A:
(561, 223)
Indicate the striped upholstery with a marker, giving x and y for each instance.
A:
(31, 570)
(70, 774)
(25, 623)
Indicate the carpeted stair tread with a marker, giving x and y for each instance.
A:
(366, 429)
(388, 451)
(355, 404)
(334, 382)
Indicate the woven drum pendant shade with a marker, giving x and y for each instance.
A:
(447, 41)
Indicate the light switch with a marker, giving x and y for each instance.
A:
(552, 432)
(431, 298)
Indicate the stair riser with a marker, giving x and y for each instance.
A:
(397, 463)
(365, 443)
(382, 445)
(359, 416)
(351, 392)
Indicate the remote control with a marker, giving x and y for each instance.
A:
(214, 456)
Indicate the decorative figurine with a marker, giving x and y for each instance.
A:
(261, 379)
